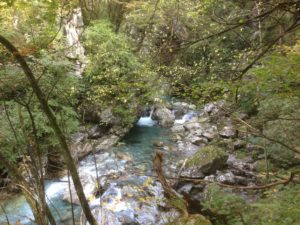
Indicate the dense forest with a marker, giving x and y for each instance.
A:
(150, 112)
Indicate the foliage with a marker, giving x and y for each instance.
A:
(17, 98)
(273, 89)
(114, 76)
(279, 206)
(223, 204)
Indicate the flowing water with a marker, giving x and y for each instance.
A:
(138, 144)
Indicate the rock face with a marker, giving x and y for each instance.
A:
(205, 161)
(165, 117)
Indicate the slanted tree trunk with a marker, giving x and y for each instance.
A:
(53, 123)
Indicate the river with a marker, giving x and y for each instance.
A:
(137, 144)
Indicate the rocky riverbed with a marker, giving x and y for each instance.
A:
(119, 180)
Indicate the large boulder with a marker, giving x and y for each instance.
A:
(205, 161)
(165, 117)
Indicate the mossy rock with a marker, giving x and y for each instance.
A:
(208, 160)
(195, 219)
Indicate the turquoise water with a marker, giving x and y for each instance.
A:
(138, 143)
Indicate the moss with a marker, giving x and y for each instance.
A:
(206, 155)
(178, 204)
(260, 166)
(195, 219)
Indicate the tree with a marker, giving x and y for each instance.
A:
(53, 122)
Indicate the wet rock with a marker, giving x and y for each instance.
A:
(228, 132)
(205, 161)
(124, 156)
(158, 144)
(165, 117)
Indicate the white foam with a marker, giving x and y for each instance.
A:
(146, 122)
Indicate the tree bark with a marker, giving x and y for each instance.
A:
(53, 123)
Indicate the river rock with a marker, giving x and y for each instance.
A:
(178, 128)
(205, 161)
(214, 108)
(228, 132)
(240, 167)
(193, 126)
(187, 148)
(89, 187)
(165, 117)
(180, 108)
(158, 144)
(226, 178)
(135, 200)
(196, 140)
(210, 133)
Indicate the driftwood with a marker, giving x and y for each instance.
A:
(171, 194)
